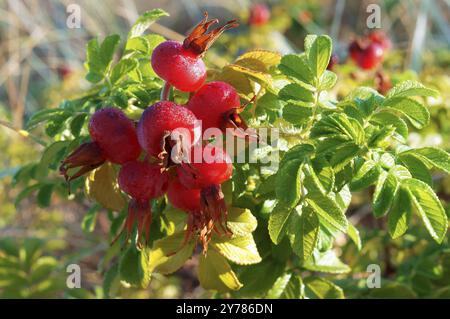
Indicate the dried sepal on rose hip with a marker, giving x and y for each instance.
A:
(142, 181)
(181, 64)
(198, 191)
(114, 139)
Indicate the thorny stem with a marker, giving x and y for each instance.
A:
(165, 91)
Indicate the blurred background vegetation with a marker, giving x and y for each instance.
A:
(41, 64)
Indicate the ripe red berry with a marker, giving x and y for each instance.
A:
(371, 56)
(214, 103)
(178, 66)
(211, 166)
(158, 121)
(142, 180)
(182, 197)
(259, 14)
(181, 64)
(115, 134)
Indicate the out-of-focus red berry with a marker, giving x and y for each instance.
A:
(371, 56)
(381, 38)
(259, 14)
(334, 59)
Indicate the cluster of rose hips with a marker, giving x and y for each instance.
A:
(368, 52)
(148, 153)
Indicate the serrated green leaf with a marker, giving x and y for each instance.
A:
(288, 182)
(318, 50)
(240, 221)
(411, 88)
(296, 66)
(122, 68)
(240, 250)
(169, 254)
(320, 288)
(386, 118)
(326, 262)
(416, 167)
(303, 233)
(215, 273)
(384, 195)
(144, 21)
(433, 156)
(48, 158)
(327, 81)
(297, 113)
(328, 210)
(296, 92)
(353, 233)
(287, 286)
(429, 208)
(416, 113)
(400, 214)
(365, 176)
(89, 220)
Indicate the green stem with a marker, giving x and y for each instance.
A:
(165, 92)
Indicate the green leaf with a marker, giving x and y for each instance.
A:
(298, 152)
(278, 222)
(270, 101)
(111, 281)
(343, 155)
(48, 158)
(384, 195)
(139, 44)
(434, 156)
(122, 68)
(318, 50)
(215, 273)
(44, 195)
(383, 118)
(287, 286)
(296, 66)
(328, 210)
(240, 250)
(240, 221)
(169, 254)
(400, 214)
(297, 113)
(288, 182)
(296, 92)
(366, 176)
(134, 267)
(393, 290)
(339, 124)
(411, 88)
(99, 57)
(326, 262)
(429, 208)
(327, 81)
(76, 124)
(416, 167)
(144, 21)
(353, 233)
(320, 288)
(89, 220)
(416, 113)
(303, 233)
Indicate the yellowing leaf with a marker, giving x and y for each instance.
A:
(258, 76)
(101, 186)
(240, 250)
(238, 80)
(268, 58)
(215, 273)
(241, 221)
(169, 254)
